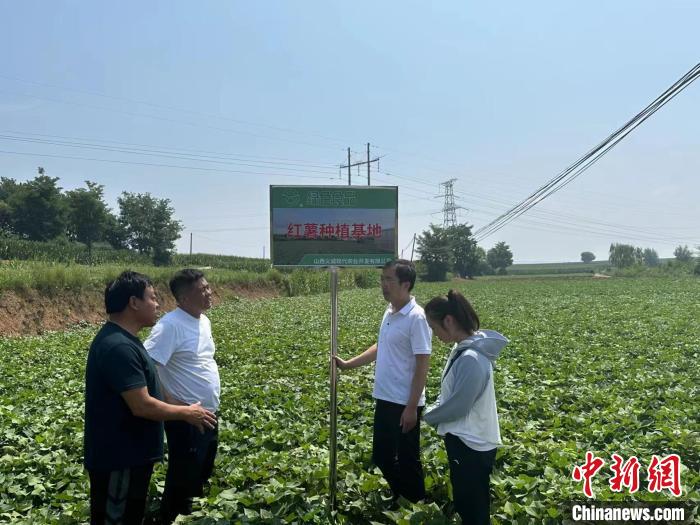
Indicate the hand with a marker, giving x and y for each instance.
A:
(341, 363)
(409, 418)
(200, 417)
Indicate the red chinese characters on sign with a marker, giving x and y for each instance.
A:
(342, 231)
(358, 231)
(587, 471)
(330, 231)
(374, 230)
(310, 231)
(665, 474)
(626, 474)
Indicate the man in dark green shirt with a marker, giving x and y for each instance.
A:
(124, 413)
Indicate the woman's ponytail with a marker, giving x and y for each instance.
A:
(456, 305)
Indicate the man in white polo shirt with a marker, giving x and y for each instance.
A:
(182, 346)
(402, 354)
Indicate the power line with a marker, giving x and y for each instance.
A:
(171, 120)
(198, 168)
(481, 196)
(590, 158)
(560, 228)
(173, 108)
(556, 221)
(162, 154)
(195, 152)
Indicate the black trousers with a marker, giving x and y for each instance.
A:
(191, 455)
(118, 497)
(397, 454)
(469, 472)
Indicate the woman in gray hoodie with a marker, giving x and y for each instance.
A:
(465, 413)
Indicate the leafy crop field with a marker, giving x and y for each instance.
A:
(558, 268)
(607, 366)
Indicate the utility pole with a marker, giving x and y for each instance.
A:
(368, 164)
(190, 243)
(449, 210)
(413, 246)
(369, 161)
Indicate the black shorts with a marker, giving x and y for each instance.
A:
(119, 496)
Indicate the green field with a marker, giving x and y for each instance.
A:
(562, 268)
(610, 366)
(558, 268)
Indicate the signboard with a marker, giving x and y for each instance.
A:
(320, 226)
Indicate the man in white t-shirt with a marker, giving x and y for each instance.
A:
(402, 354)
(182, 346)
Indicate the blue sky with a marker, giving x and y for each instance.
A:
(222, 99)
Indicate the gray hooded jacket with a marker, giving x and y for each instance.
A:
(467, 403)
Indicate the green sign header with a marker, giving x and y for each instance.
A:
(318, 226)
(333, 197)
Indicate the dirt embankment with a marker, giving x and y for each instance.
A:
(32, 312)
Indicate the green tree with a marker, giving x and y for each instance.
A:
(500, 257)
(587, 257)
(435, 253)
(623, 255)
(149, 225)
(650, 257)
(87, 214)
(7, 188)
(465, 257)
(38, 208)
(115, 233)
(683, 253)
(483, 267)
(5, 217)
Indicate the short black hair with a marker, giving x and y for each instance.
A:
(183, 280)
(129, 284)
(405, 271)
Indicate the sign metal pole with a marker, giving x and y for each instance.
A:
(334, 379)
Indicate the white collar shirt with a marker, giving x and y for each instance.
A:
(402, 336)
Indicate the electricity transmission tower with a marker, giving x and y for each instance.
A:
(449, 210)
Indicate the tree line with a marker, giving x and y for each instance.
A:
(453, 249)
(40, 210)
(626, 255)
